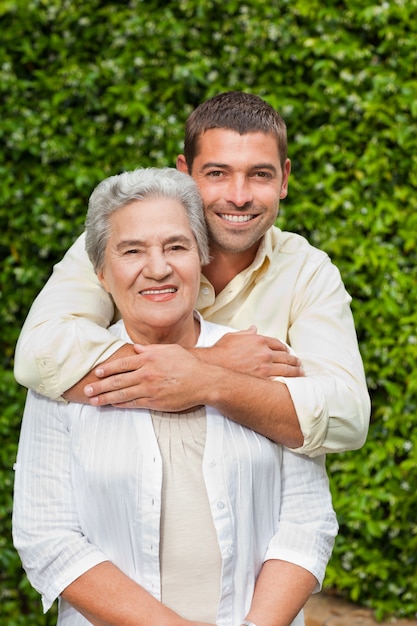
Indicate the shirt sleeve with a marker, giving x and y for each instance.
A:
(46, 530)
(332, 400)
(307, 523)
(65, 333)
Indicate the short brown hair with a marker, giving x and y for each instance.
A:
(237, 111)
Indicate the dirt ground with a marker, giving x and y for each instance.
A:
(327, 610)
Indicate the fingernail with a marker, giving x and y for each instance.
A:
(88, 390)
(99, 371)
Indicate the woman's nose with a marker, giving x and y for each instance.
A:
(156, 266)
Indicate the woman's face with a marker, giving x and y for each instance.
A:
(152, 269)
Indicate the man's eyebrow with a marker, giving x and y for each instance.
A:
(220, 166)
(264, 166)
(253, 166)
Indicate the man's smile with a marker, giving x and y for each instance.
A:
(236, 218)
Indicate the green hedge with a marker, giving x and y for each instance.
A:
(88, 89)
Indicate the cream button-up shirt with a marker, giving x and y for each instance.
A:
(291, 291)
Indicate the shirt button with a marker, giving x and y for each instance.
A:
(212, 463)
(229, 550)
(220, 505)
(205, 291)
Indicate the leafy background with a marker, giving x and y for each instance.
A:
(88, 89)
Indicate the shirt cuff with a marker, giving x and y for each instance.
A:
(57, 376)
(70, 574)
(311, 408)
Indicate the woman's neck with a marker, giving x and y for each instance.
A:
(185, 335)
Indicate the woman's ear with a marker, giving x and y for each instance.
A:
(100, 276)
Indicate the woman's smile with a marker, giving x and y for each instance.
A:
(152, 269)
(159, 294)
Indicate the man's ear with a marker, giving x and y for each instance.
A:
(285, 176)
(182, 164)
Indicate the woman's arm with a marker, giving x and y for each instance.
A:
(298, 553)
(281, 591)
(46, 529)
(55, 553)
(107, 597)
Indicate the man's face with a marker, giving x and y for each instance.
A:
(241, 182)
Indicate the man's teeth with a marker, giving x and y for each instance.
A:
(152, 292)
(236, 218)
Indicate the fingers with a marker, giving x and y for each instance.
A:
(124, 364)
(291, 365)
(287, 365)
(252, 330)
(277, 344)
(128, 397)
(113, 389)
(282, 363)
(290, 371)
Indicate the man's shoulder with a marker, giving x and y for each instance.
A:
(286, 242)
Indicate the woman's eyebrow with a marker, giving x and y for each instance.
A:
(126, 243)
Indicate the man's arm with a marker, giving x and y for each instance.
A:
(64, 335)
(242, 351)
(171, 378)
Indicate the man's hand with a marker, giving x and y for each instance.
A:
(163, 377)
(249, 353)
(160, 377)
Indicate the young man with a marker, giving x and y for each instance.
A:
(236, 151)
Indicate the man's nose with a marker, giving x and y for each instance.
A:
(239, 191)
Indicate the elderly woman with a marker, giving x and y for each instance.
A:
(131, 516)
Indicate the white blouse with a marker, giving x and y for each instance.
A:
(88, 489)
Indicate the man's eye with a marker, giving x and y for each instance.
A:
(263, 174)
(215, 173)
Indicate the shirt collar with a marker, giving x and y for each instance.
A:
(259, 264)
